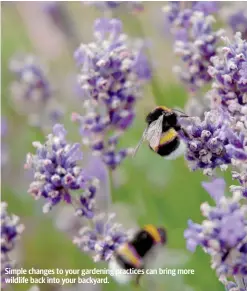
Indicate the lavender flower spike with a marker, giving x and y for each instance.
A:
(57, 173)
(10, 233)
(223, 235)
(112, 72)
(133, 6)
(195, 42)
(103, 239)
(32, 93)
(31, 90)
(235, 130)
(229, 71)
(206, 142)
(235, 15)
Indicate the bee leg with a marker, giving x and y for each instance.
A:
(225, 256)
(185, 133)
(138, 277)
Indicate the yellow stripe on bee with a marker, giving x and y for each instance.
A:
(165, 108)
(168, 136)
(152, 230)
(130, 255)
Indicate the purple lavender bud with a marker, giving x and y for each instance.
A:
(235, 15)
(215, 188)
(206, 143)
(112, 73)
(103, 239)
(195, 42)
(57, 174)
(229, 74)
(10, 233)
(223, 233)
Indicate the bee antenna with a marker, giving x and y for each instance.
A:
(184, 114)
(140, 142)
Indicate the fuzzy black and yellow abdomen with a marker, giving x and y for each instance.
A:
(169, 142)
(168, 148)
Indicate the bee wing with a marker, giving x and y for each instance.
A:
(154, 132)
(144, 136)
(162, 258)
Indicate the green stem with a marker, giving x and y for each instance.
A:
(155, 87)
(111, 182)
(134, 22)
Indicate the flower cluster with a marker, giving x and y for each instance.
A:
(206, 145)
(235, 15)
(103, 239)
(112, 73)
(31, 85)
(178, 12)
(229, 71)
(31, 91)
(133, 6)
(195, 42)
(10, 233)
(223, 234)
(235, 129)
(197, 105)
(232, 286)
(57, 174)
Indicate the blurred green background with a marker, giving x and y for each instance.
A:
(150, 189)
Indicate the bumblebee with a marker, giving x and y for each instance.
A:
(132, 255)
(162, 133)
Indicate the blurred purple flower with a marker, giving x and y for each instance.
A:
(32, 83)
(215, 188)
(57, 174)
(10, 233)
(103, 239)
(207, 7)
(235, 15)
(223, 234)
(32, 93)
(112, 74)
(197, 106)
(61, 17)
(132, 6)
(195, 41)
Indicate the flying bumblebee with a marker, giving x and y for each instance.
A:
(162, 133)
(132, 255)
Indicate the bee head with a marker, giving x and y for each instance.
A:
(170, 117)
(154, 115)
(162, 233)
